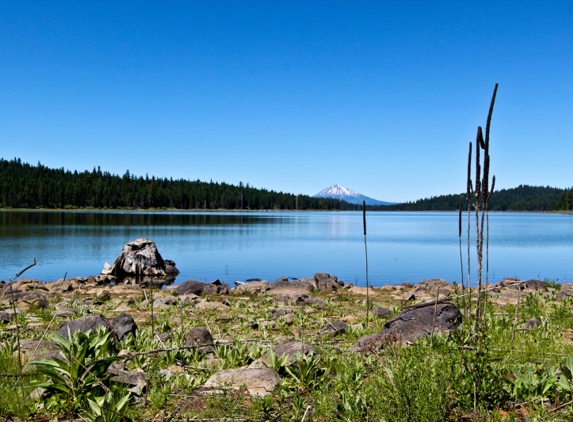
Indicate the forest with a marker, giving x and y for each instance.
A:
(521, 198)
(27, 186)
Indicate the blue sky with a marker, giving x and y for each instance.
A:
(381, 97)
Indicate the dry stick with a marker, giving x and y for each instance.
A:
(305, 412)
(366, 255)
(16, 317)
(477, 208)
(469, 190)
(516, 317)
(434, 318)
(560, 407)
(460, 241)
(152, 318)
(486, 192)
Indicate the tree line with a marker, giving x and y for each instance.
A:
(27, 186)
(521, 198)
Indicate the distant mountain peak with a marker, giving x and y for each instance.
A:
(344, 194)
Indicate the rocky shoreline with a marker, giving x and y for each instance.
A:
(406, 313)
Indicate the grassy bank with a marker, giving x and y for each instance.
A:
(510, 371)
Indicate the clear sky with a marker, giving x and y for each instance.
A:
(381, 97)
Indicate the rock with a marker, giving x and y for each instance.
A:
(84, 324)
(163, 337)
(327, 282)
(141, 258)
(61, 286)
(280, 313)
(417, 322)
(565, 291)
(5, 317)
(257, 381)
(137, 380)
(429, 289)
(38, 393)
(201, 338)
(123, 324)
(30, 298)
(164, 302)
(103, 294)
(122, 308)
(66, 312)
(532, 323)
(536, 285)
(210, 306)
(334, 328)
(373, 343)
(308, 300)
(39, 349)
(381, 312)
(283, 286)
(253, 288)
(197, 288)
(190, 298)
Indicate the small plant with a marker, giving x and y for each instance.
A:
(306, 371)
(531, 386)
(108, 408)
(81, 375)
(276, 362)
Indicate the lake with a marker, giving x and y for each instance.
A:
(401, 246)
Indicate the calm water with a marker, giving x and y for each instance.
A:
(402, 246)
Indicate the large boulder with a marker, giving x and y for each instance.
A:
(420, 321)
(85, 324)
(327, 282)
(198, 288)
(140, 258)
(124, 324)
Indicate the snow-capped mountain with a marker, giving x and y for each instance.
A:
(348, 195)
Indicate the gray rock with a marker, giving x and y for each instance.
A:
(381, 312)
(532, 323)
(327, 282)
(280, 312)
(334, 328)
(124, 324)
(39, 349)
(420, 321)
(164, 302)
(197, 288)
(201, 338)
(66, 312)
(84, 324)
(5, 317)
(536, 285)
(141, 258)
(255, 287)
(373, 343)
(137, 381)
(309, 300)
(283, 286)
(163, 337)
(565, 291)
(257, 381)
